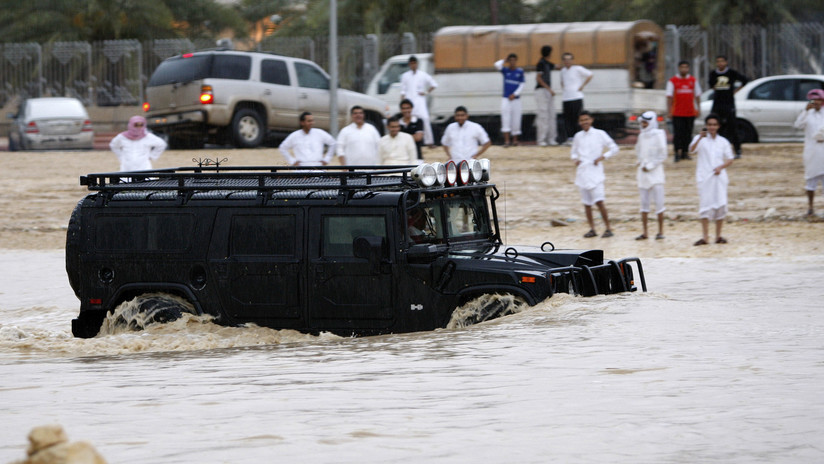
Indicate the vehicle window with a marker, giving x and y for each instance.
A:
(274, 72)
(423, 223)
(806, 85)
(263, 235)
(311, 77)
(392, 75)
(781, 89)
(340, 231)
(465, 219)
(143, 232)
(177, 70)
(231, 67)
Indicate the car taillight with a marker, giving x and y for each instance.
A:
(206, 96)
(146, 106)
(87, 126)
(31, 128)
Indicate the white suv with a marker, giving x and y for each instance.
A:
(238, 98)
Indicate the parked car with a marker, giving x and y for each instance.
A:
(766, 108)
(54, 123)
(238, 98)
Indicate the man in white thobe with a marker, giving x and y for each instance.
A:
(305, 146)
(590, 147)
(812, 121)
(357, 143)
(396, 147)
(415, 85)
(464, 139)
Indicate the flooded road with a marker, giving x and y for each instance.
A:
(722, 361)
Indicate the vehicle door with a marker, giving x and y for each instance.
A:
(256, 261)
(345, 291)
(279, 95)
(313, 92)
(771, 108)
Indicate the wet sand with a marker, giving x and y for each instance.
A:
(766, 199)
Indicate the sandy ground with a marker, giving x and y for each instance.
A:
(767, 204)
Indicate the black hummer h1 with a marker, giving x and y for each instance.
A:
(349, 250)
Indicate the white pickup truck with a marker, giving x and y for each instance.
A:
(463, 58)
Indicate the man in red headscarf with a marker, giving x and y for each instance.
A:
(136, 147)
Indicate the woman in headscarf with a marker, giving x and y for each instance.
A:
(714, 156)
(812, 121)
(136, 147)
(651, 150)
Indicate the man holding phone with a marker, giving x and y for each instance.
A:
(812, 121)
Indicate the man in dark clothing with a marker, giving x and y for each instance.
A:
(545, 121)
(411, 124)
(722, 80)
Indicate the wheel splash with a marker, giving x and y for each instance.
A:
(484, 308)
(144, 310)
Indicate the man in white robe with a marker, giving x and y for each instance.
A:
(714, 156)
(305, 146)
(396, 147)
(464, 139)
(812, 121)
(590, 147)
(651, 151)
(357, 143)
(415, 85)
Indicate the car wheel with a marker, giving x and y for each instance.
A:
(247, 128)
(145, 310)
(484, 308)
(746, 132)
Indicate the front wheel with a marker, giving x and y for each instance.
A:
(746, 132)
(247, 128)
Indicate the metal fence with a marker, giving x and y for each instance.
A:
(113, 73)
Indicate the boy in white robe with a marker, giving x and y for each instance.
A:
(812, 121)
(651, 150)
(714, 156)
(590, 147)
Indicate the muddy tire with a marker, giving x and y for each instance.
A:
(145, 310)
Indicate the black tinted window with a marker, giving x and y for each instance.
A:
(781, 89)
(263, 235)
(231, 67)
(340, 231)
(274, 72)
(144, 232)
(311, 77)
(177, 70)
(807, 85)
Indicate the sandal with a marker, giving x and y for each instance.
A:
(659, 237)
(721, 240)
(607, 234)
(641, 237)
(590, 234)
(700, 242)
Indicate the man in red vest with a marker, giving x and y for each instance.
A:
(683, 103)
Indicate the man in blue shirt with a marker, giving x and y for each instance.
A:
(511, 103)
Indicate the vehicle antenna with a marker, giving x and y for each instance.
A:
(505, 239)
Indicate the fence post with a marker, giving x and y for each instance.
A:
(764, 52)
(370, 57)
(408, 44)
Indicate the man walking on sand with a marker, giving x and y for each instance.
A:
(812, 121)
(415, 85)
(590, 147)
(683, 102)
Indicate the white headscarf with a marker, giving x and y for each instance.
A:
(652, 119)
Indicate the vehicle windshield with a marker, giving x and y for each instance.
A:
(454, 219)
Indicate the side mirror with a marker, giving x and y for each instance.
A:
(371, 248)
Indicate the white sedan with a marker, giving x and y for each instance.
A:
(766, 108)
(54, 123)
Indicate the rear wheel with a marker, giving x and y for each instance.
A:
(145, 310)
(247, 128)
(746, 132)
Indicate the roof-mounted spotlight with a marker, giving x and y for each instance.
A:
(451, 173)
(463, 172)
(440, 173)
(484, 169)
(425, 175)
